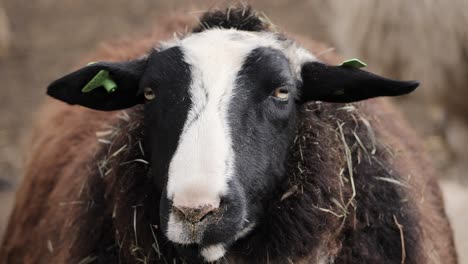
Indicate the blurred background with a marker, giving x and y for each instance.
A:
(421, 39)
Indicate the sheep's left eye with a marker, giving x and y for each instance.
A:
(281, 93)
(149, 93)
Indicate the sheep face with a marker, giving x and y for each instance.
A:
(220, 112)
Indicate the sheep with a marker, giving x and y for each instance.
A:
(224, 155)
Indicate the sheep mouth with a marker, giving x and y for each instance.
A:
(189, 239)
(207, 239)
(205, 234)
(211, 252)
(185, 230)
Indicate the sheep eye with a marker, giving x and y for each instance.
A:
(149, 93)
(281, 93)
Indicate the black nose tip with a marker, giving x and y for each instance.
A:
(193, 215)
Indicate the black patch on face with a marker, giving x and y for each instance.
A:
(261, 125)
(169, 76)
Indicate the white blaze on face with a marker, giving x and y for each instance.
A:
(203, 162)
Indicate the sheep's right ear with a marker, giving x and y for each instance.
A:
(342, 84)
(124, 78)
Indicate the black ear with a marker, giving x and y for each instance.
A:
(343, 84)
(125, 75)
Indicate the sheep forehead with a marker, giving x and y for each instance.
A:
(232, 38)
(233, 44)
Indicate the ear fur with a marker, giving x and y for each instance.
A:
(125, 74)
(340, 84)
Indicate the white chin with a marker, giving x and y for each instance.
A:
(213, 252)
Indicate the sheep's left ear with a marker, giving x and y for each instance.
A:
(101, 86)
(343, 84)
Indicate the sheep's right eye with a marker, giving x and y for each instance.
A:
(281, 94)
(149, 94)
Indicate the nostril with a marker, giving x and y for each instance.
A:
(206, 215)
(194, 215)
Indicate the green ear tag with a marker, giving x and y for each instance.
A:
(353, 63)
(102, 78)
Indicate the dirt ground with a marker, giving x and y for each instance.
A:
(42, 39)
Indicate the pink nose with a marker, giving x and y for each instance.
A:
(193, 215)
